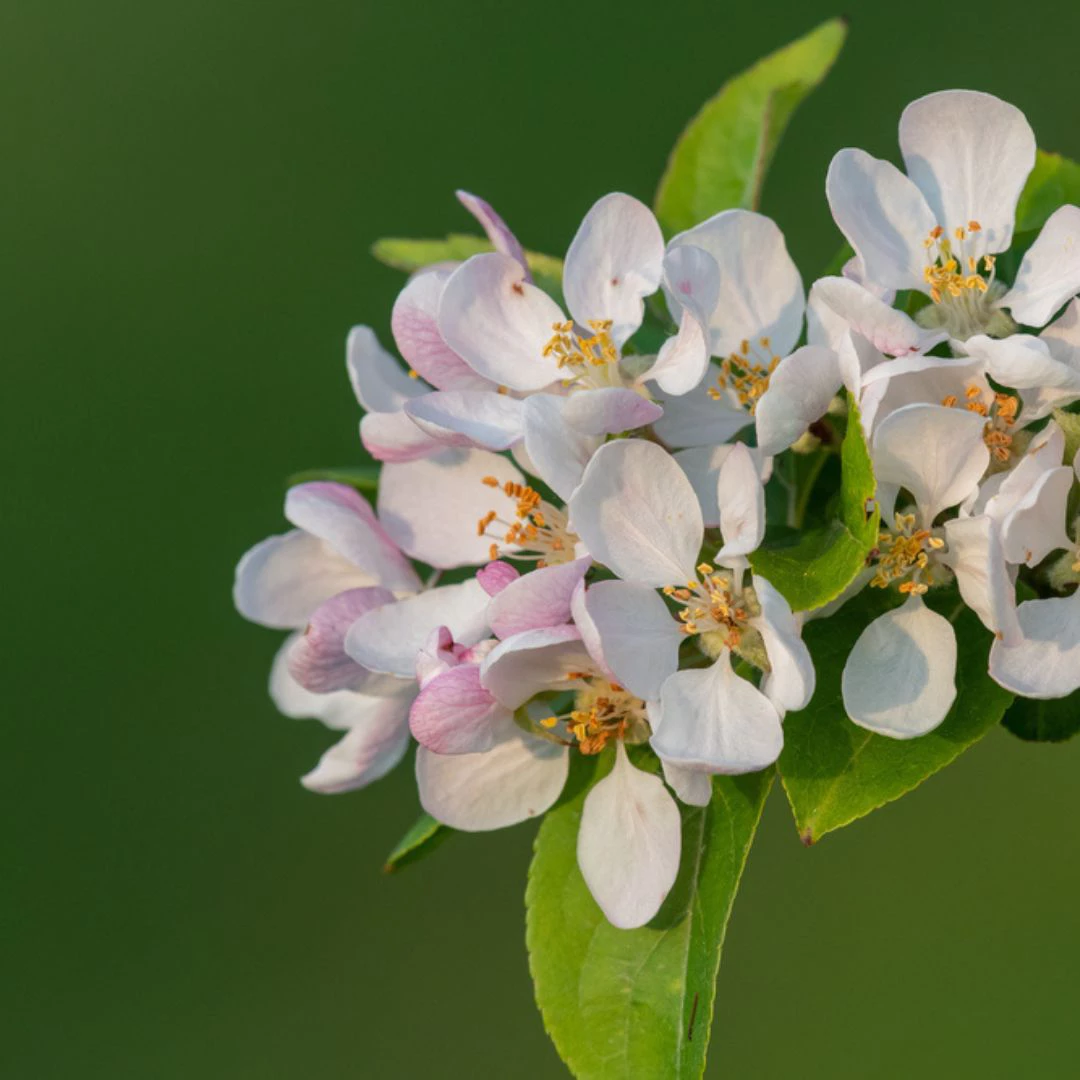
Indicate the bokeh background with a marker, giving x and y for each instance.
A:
(187, 196)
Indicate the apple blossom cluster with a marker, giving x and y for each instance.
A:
(561, 557)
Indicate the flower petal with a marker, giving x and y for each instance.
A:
(976, 556)
(1035, 525)
(637, 513)
(900, 678)
(557, 451)
(537, 600)
(1022, 361)
(800, 391)
(496, 576)
(519, 778)
(380, 383)
(692, 787)
(613, 262)
(741, 498)
(1050, 271)
(969, 153)
(523, 666)
(1046, 664)
(790, 683)
(702, 466)
(430, 507)
(697, 419)
(469, 418)
(629, 843)
(499, 323)
(498, 232)
(454, 714)
(394, 436)
(610, 410)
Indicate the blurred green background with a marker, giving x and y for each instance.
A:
(189, 192)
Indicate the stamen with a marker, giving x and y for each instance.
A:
(537, 528)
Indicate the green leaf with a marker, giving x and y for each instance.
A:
(410, 255)
(1044, 721)
(1069, 422)
(824, 561)
(621, 1003)
(835, 772)
(1054, 181)
(422, 839)
(720, 160)
(365, 478)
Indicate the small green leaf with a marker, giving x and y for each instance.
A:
(835, 772)
(720, 160)
(621, 1003)
(1044, 721)
(410, 255)
(824, 561)
(1054, 181)
(421, 840)
(1069, 422)
(365, 478)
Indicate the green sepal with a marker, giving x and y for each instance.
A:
(425, 835)
(365, 478)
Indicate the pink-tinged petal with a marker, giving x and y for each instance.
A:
(389, 638)
(469, 418)
(498, 232)
(431, 507)
(558, 452)
(761, 293)
(900, 678)
(969, 153)
(519, 778)
(1046, 663)
(838, 305)
(741, 498)
(496, 576)
(523, 666)
(691, 786)
(614, 261)
(975, 554)
(319, 661)
(937, 453)
(499, 323)
(800, 391)
(537, 600)
(439, 654)
(454, 714)
(637, 513)
(342, 517)
(394, 436)
(713, 721)
(628, 629)
(1049, 274)
(414, 322)
(702, 466)
(629, 843)
(283, 579)
(884, 217)
(366, 753)
(609, 411)
(697, 419)
(380, 383)
(790, 683)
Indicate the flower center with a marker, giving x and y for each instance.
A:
(588, 358)
(1000, 418)
(537, 528)
(602, 711)
(713, 605)
(746, 374)
(905, 554)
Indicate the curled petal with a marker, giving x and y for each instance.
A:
(395, 436)
(1046, 663)
(537, 600)
(498, 232)
(790, 683)
(378, 380)
(800, 391)
(526, 664)
(976, 556)
(454, 714)
(1050, 271)
(702, 466)
(479, 418)
(741, 498)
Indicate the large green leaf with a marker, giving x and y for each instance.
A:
(638, 1003)
(835, 772)
(822, 562)
(411, 255)
(720, 160)
(421, 840)
(1054, 181)
(1044, 721)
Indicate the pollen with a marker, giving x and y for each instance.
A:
(536, 528)
(603, 711)
(1000, 416)
(572, 349)
(950, 272)
(903, 557)
(746, 373)
(714, 605)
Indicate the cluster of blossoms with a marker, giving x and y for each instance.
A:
(559, 559)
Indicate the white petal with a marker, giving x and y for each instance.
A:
(380, 383)
(1036, 524)
(342, 517)
(692, 787)
(969, 153)
(431, 507)
(498, 232)
(536, 600)
(900, 679)
(558, 452)
(937, 453)
(1046, 664)
(283, 579)
(1022, 361)
(741, 498)
(637, 513)
(394, 436)
(613, 262)
(702, 466)
(630, 630)
(800, 391)
(696, 419)
(366, 753)
(629, 844)
(469, 418)
(499, 323)
(526, 664)
(519, 778)
(854, 270)
(761, 292)
(976, 557)
(608, 411)
(388, 638)
(1050, 271)
(712, 720)
(790, 684)
(883, 215)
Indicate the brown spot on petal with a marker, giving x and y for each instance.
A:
(518, 288)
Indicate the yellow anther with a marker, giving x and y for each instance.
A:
(704, 568)
(582, 351)
(413, 374)
(549, 722)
